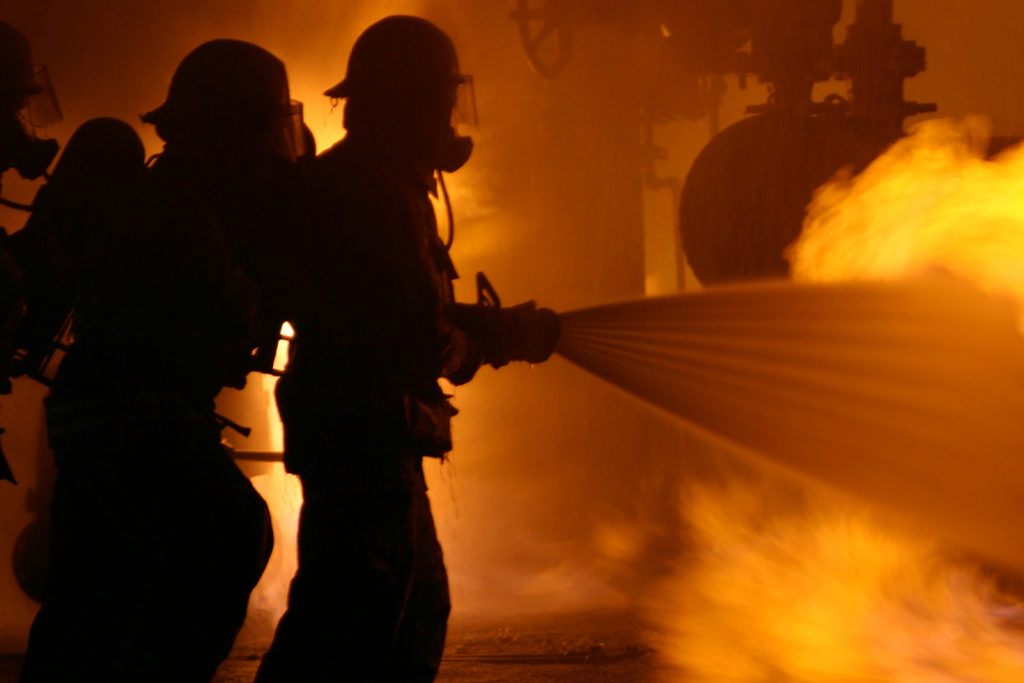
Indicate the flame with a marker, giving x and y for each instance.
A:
(799, 587)
(282, 493)
(931, 202)
(792, 589)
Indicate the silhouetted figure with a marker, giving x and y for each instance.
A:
(158, 538)
(102, 164)
(20, 89)
(30, 156)
(360, 401)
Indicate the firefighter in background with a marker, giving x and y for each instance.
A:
(19, 87)
(360, 400)
(158, 538)
(30, 156)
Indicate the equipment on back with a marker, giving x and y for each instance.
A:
(91, 189)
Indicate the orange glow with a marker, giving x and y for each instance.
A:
(794, 586)
(795, 589)
(931, 202)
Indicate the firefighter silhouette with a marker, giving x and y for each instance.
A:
(157, 537)
(25, 96)
(360, 400)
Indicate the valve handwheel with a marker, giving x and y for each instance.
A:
(546, 34)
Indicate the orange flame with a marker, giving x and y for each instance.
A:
(785, 588)
(932, 201)
(791, 589)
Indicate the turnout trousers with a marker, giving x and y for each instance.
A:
(369, 601)
(157, 540)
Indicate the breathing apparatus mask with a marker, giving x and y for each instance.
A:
(402, 80)
(22, 150)
(456, 149)
(287, 136)
(27, 102)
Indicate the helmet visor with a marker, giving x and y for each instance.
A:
(287, 138)
(41, 106)
(464, 111)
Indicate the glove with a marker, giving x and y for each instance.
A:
(505, 334)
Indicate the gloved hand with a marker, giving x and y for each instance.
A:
(505, 334)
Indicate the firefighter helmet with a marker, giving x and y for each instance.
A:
(16, 72)
(398, 53)
(226, 88)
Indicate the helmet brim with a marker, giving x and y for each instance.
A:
(156, 116)
(338, 91)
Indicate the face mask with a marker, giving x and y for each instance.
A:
(21, 149)
(457, 148)
(288, 138)
(455, 153)
(464, 111)
(27, 154)
(41, 107)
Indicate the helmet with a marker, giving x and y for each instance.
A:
(15, 62)
(224, 88)
(24, 86)
(398, 53)
(16, 71)
(403, 84)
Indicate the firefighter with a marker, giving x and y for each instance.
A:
(30, 156)
(360, 400)
(158, 538)
(19, 86)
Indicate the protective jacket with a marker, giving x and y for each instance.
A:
(373, 334)
(157, 537)
(361, 406)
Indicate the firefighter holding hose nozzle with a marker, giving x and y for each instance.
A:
(360, 400)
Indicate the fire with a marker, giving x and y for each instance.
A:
(931, 202)
(786, 587)
(281, 491)
(794, 589)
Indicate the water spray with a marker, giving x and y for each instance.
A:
(904, 393)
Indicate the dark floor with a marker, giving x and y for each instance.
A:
(594, 647)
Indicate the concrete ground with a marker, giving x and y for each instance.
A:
(594, 647)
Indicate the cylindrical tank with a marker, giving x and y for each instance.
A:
(745, 196)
